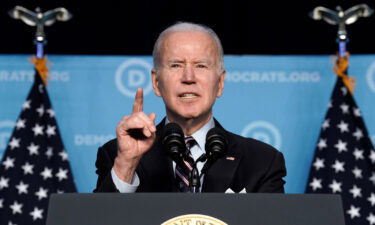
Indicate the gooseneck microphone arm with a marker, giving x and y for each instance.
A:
(195, 179)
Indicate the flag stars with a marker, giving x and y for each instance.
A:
(37, 213)
(353, 212)
(341, 146)
(372, 156)
(371, 199)
(49, 152)
(46, 173)
(38, 130)
(40, 88)
(28, 168)
(344, 127)
(357, 172)
(4, 182)
(344, 90)
(358, 154)
(40, 110)
(41, 193)
(51, 113)
(356, 112)
(51, 130)
(358, 134)
(21, 123)
(63, 155)
(344, 108)
(16, 207)
(22, 188)
(330, 104)
(316, 184)
(26, 105)
(335, 186)
(319, 164)
(338, 166)
(33, 149)
(8, 163)
(355, 191)
(371, 218)
(14, 143)
(62, 174)
(325, 124)
(322, 143)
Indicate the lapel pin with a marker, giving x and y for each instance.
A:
(230, 158)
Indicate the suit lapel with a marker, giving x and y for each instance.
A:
(219, 177)
(157, 167)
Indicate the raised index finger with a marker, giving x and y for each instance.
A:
(138, 101)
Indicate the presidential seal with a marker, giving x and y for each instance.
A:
(194, 219)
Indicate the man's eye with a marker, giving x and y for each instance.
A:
(175, 65)
(201, 66)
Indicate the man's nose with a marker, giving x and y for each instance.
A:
(188, 74)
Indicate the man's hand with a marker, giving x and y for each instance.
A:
(135, 136)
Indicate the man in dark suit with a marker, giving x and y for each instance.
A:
(189, 75)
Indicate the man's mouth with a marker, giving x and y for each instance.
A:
(188, 95)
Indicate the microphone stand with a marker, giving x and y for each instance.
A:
(195, 177)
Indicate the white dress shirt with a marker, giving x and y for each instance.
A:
(196, 151)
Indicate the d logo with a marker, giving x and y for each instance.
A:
(263, 131)
(137, 75)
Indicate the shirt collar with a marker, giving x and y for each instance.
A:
(200, 135)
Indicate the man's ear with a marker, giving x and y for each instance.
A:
(221, 84)
(155, 81)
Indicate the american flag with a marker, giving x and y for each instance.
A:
(34, 164)
(344, 159)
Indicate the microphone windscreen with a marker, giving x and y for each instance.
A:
(172, 129)
(216, 143)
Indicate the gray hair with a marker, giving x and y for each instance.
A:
(186, 26)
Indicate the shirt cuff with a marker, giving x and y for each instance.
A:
(123, 186)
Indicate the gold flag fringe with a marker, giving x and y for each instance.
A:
(41, 67)
(340, 69)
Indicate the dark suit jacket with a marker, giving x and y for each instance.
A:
(249, 164)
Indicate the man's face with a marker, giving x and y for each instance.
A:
(189, 78)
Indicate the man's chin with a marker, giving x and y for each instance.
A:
(185, 116)
(193, 116)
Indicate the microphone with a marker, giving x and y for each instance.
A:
(174, 142)
(216, 147)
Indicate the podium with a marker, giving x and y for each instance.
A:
(194, 209)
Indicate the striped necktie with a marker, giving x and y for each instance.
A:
(183, 171)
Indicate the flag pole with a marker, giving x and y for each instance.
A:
(40, 20)
(342, 36)
(342, 18)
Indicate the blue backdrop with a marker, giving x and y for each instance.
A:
(281, 100)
